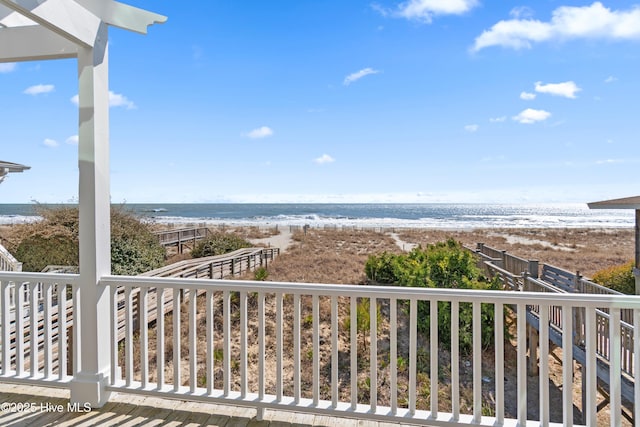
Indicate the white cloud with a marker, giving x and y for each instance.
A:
(609, 161)
(425, 10)
(353, 77)
(530, 115)
(38, 89)
(566, 89)
(50, 143)
(567, 22)
(8, 67)
(261, 132)
(521, 12)
(115, 100)
(119, 100)
(325, 158)
(610, 79)
(471, 128)
(527, 96)
(497, 119)
(72, 140)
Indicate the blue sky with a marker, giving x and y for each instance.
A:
(347, 101)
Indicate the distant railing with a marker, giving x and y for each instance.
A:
(181, 237)
(7, 261)
(220, 266)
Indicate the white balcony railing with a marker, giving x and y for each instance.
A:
(286, 346)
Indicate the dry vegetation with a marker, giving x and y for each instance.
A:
(328, 256)
(584, 250)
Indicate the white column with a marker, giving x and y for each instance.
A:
(94, 201)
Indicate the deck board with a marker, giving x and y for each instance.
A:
(132, 410)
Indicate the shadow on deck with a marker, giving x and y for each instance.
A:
(39, 406)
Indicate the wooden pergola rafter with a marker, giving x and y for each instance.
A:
(55, 29)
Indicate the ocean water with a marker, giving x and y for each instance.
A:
(430, 215)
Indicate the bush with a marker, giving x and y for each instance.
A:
(382, 268)
(443, 265)
(54, 241)
(218, 244)
(619, 278)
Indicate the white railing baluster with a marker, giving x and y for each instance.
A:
(393, 343)
(590, 371)
(113, 314)
(522, 363)
(177, 375)
(193, 329)
(615, 372)
(278, 373)
(413, 354)
(160, 345)
(261, 346)
(243, 344)
(353, 346)
(636, 360)
(296, 348)
(373, 354)
(567, 361)
(33, 329)
(77, 314)
(6, 326)
(455, 360)
(543, 371)
(433, 356)
(19, 293)
(316, 350)
(128, 336)
(210, 341)
(334, 352)
(226, 337)
(144, 336)
(48, 329)
(499, 362)
(477, 363)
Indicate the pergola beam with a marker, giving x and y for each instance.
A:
(34, 43)
(122, 15)
(64, 17)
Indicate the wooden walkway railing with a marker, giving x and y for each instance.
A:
(44, 324)
(182, 237)
(522, 275)
(7, 261)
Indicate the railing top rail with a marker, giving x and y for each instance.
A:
(39, 277)
(491, 265)
(177, 230)
(604, 289)
(551, 288)
(463, 295)
(200, 262)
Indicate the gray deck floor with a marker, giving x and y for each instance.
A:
(133, 410)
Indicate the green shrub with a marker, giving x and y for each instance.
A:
(261, 274)
(443, 265)
(54, 241)
(381, 268)
(218, 244)
(619, 278)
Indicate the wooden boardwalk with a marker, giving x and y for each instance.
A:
(48, 406)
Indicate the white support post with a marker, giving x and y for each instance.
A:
(89, 385)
